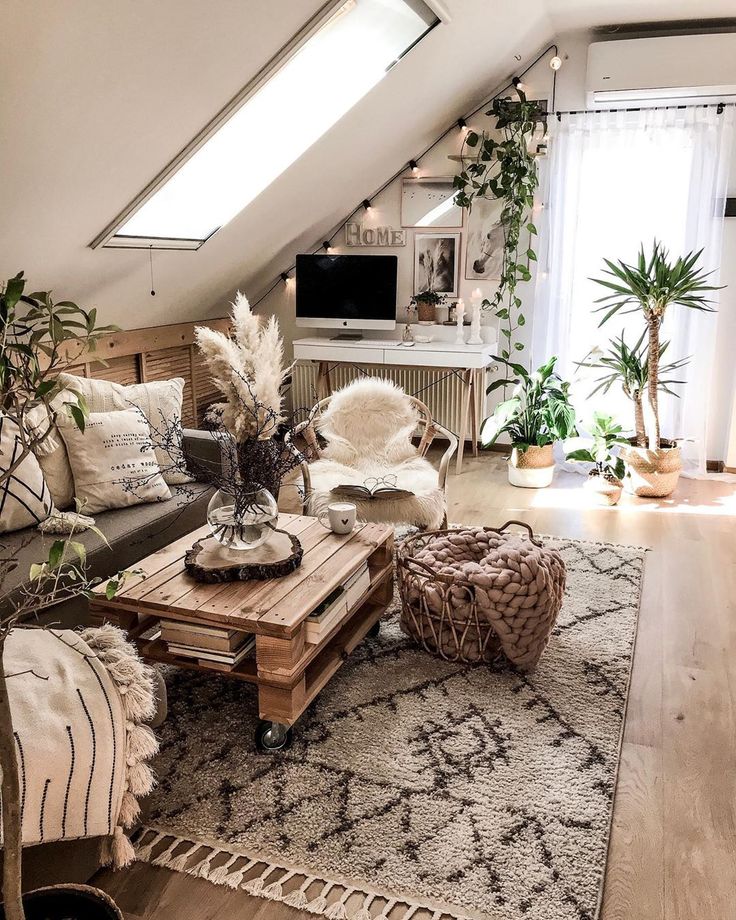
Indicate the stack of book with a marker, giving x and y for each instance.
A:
(220, 647)
(337, 604)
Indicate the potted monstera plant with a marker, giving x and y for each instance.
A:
(651, 286)
(537, 414)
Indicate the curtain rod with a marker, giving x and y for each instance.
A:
(648, 108)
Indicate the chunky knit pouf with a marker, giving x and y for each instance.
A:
(475, 593)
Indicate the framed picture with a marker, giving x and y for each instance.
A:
(484, 244)
(430, 202)
(436, 263)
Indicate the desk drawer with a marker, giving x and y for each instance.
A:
(347, 353)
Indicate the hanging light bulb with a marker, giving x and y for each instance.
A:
(414, 166)
(518, 85)
(326, 246)
(556, 62)
(462, 124)
(284, 277)
(366, 204)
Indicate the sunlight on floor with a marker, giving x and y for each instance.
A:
(691, 497)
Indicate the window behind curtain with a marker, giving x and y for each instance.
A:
(615, 180)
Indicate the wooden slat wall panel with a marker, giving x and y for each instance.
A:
(207, 392)
(124, 369)
(156, 353)
(173, 362)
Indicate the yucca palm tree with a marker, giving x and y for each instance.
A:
(629, 367)
(651, 286)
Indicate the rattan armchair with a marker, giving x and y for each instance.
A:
(427, 430)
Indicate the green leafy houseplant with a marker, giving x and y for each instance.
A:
(605, 434)
(629, 366)
(506, 170)
(426, 303)
(650, 287)
(538, 413)
(38, 339)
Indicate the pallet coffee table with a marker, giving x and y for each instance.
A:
(288, 670)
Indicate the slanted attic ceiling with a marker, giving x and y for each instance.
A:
(98, 96)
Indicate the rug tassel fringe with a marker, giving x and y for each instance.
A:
(273, 890)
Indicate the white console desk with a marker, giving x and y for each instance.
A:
(463, 360)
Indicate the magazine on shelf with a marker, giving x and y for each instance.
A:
(322, 618)
(228, 659)
(204, 637)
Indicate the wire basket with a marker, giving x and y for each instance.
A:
(452, 617)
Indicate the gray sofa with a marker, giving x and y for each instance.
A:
(131, 533)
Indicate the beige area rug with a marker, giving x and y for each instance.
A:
(414, 787)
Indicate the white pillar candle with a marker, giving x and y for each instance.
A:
(475, 337)
(460, 319)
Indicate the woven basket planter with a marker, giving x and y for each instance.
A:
(477, 594)
(604, 491)
(532, 468)
(652, 473)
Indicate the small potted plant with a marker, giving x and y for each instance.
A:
(538, 413)
(426, 304)
(605, 480)
(651, 286)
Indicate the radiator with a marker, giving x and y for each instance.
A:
(441, 390)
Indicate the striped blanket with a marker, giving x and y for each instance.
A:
(79, 704)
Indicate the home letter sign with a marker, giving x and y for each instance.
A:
(358, 235)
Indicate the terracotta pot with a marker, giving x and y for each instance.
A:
(532, 468)
(426, 313)
(651, 473)
(604, 491)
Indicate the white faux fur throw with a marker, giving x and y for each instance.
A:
(368, 427)
(79, 701)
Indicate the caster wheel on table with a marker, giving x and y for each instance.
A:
(374, 630)
(272, 737)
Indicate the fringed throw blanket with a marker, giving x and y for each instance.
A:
(79, 704)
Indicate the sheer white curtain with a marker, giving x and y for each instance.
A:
(615, 180)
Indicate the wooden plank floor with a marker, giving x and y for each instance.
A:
(673, 842)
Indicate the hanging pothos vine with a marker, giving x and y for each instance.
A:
(506, 170)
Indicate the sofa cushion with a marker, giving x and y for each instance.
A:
(132, 533)
(24, 496)
(50, 449)
(113, 461)
(160, 401)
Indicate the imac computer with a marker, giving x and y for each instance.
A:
(346, 292)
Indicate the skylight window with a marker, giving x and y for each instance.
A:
(274, 121)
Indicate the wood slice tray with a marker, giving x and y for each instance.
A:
(210, 562)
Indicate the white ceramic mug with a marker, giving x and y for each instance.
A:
(340, 517)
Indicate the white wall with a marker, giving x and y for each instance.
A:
(386, 211)
(97, 97)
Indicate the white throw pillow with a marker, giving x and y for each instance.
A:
(24, 496)
(159, 400)
(51, 452)
(113, 462)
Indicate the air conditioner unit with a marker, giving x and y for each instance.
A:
(662, 71)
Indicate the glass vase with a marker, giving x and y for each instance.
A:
(242, 520)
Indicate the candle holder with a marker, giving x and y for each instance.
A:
(475, 337)
(460, 320)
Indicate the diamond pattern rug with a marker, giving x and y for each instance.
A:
(413, 783)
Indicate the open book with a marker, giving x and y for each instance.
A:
(378, 492)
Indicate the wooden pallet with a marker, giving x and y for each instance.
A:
(288, 670)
